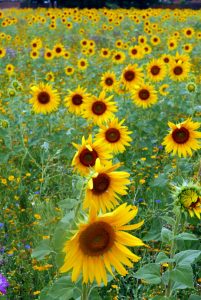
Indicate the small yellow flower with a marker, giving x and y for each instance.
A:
(11, 178)
(143, 158)
(142, 181)
(37, 216)
(36, 292)
(4, 181)
(46, 237)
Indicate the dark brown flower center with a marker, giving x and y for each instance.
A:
(97, 239)
(43, 97)
(144, 94)
(134, 51)
(34, 45)
(188, 32)
(118, 57)
(109, 81)
(129, 75)
(88, 158)
(77, 99)
(166, 60)
(101, 184)
(178, 70)
(196, 204)
(180, 135)
(58, 50)
(99, 108)
(155, 70)
(112, 135)
(49, 54)
(105, 52)
(82, 64)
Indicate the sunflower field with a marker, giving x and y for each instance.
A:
(100, 162)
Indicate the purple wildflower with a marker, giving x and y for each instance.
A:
(3, 284)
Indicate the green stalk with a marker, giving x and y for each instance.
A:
(85, 292)
(173, 249)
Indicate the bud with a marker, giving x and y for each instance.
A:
(188, 197)
(191, 87)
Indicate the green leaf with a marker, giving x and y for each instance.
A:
(194, 297)
(166, 235)
(161, 181)
(163, 298)
(186, 257)
(150, 273)
(186, 236)
(42, 250)
(183, 277)
(68, 203)
(169, 220)
(62, 289)
(94, 295)
(162, 258)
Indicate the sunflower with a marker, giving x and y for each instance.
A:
(118, 57)
(172, 44)
(36, 44)
(82, 64)
(182, 138)
(147, 49)
(34, 54)
(69, 70)
(50, 76)
(115, 135)
(100, 244)
(2, 52)
(142, 39)
(45, 99)
(178, 70)
(188, 196)
(163, 89)
(136, 52)
(155, 40)
(144, 95)
(58, 50)
(166, 58)
(104, 185)
(131, 76)
(100, 109)
(156, 70)
(87, 153)
(49, 54)
(105, 52)
(189, 32)
(108, 81)
(10, 69)
(74, 100)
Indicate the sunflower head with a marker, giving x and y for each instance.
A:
(87, 153)
(188, 197)
(100, 245)
(183, 138)
(131, 75)
(45, 99)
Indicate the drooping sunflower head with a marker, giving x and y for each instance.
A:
(156, 70)
(100, 244)
(144, 95)
(104, 186)
(2, 52)
(183, 138)
(188, 197)
(99, 109)
(75, 99)
(108, 81)
(45, 99)
(131, 75)
(87, 153)
(115, 135)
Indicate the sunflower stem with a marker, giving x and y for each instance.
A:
(85, 292)
(173, 249)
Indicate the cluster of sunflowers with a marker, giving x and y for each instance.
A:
(100, 70)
